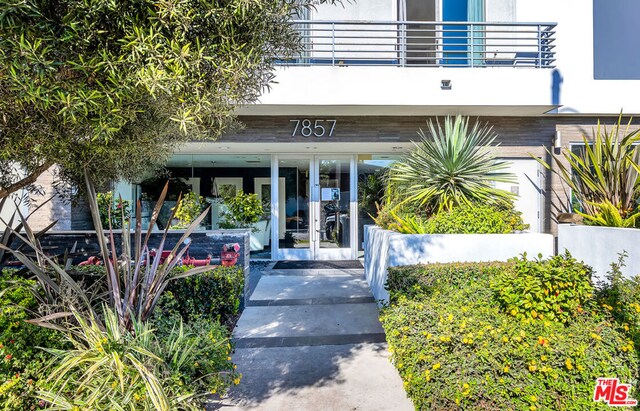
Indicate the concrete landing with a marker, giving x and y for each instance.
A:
(300, 290)
(319, 378)
(308, 325)
(321, 272)
(311, 340)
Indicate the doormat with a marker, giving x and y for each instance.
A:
(317, 265)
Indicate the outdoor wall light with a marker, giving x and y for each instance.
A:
(445, 84)
(557, 139)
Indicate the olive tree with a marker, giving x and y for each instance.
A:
(111, 87)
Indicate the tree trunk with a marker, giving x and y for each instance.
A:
(24, 182)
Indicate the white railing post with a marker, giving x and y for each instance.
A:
(473, 45)
(403, 45)
(333, 44)
(539, 62)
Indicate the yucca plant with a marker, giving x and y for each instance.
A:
(608, 215)
(110, 368)
(605, 170)
(452, 166)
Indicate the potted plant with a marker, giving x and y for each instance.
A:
(113, 210)
(187, 210)
(242, 211)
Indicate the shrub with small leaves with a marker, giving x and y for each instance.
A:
(21, 362)
(118, 210)
(555, 289)
(477, 219)
(213, 295)
(188, 209)
(621, 296)
(500, 218)
(456, 349)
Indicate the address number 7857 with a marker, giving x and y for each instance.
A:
(318, 128)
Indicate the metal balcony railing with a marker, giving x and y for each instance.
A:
(424, 44)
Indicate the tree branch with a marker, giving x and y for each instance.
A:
(29, 179)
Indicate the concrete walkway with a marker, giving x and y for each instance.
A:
(311, 340)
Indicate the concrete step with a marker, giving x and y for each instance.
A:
(296, 325)
(318, 378)
(306, 290)
(322, 272)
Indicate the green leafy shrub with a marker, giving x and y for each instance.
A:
(140, 370)
(119, 209)
(419, 280)
(555, 289)
(456, 352)
(243, 210)
(621, 296)
(188, 209)
(455, 347)
(212, 295)
(21, 362)
(474, 218)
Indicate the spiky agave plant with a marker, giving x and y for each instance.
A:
(452, 166)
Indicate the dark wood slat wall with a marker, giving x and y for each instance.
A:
(518, 137)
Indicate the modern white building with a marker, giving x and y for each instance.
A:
(369, 76)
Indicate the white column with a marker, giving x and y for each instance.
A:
(353, 207)
(275, 207)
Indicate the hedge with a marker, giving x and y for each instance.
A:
(456, 347)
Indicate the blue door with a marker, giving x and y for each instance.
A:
(455, 37)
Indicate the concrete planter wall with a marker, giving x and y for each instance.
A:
(384, 248)
(600, 246)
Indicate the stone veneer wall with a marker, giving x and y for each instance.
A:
(203, 243)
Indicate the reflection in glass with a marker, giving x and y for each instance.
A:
(372, 170)
(334, 204)
(296, 203)
(217, 178)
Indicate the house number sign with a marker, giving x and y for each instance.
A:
(317, 127)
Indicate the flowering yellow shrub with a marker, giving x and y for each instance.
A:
(456, 348)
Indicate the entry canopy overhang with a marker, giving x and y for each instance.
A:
(378, 110)
(311, 147)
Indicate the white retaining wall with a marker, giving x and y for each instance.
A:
(384, 248)
(600, 246)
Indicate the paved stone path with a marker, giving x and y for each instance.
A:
(311, 340)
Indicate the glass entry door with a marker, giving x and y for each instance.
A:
(334, 195)
(318, 205)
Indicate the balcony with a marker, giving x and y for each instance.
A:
(424, 44)
(359, 68)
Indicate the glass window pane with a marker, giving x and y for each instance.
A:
(334, 204)
(296, 203)
(372, 169)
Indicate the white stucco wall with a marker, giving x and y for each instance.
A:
(580, 92)
(601, 246)
(407, 87)
(384, 249)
